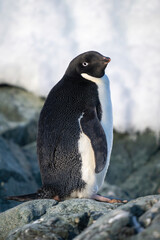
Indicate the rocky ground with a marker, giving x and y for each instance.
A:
(81, 219)
(134, 171)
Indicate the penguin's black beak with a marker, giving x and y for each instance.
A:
(106, 60)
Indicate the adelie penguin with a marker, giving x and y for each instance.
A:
(75, 133)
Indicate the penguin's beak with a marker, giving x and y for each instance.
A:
(106, 60)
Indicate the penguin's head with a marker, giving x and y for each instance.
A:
(90, 64)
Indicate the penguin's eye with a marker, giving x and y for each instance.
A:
(85, 64)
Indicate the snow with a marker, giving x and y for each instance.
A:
(38, 39)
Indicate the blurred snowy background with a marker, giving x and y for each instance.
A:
(39, 38)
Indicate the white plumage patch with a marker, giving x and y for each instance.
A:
(88, 165)
(107, 124)
(94, 181)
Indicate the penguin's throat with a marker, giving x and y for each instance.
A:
(91, 78)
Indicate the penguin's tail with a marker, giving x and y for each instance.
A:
(46, 192)
(24, 198)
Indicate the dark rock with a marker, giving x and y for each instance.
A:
(19, 113)
(145, 180)
(30, 152)
(16, 173)
(134, 166)
(19, 170)
(24, 133)
(134, 171)
(113, 191)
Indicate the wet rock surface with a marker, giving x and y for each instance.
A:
(134, 171)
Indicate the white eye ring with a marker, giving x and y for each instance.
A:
(85, 64)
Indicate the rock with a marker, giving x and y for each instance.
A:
(16, 172)
(22, 134)
(126, 222)
(113, 191)
(19, 170)
(132, 151)
(134, 166)
(134, 171)
(30, 152)
(19, 113)
(82, 219)
(23, 214)
(50, 218)
(145, 180)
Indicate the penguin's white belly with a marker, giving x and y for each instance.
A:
(88, 167)
(107, 123)
(94, 181)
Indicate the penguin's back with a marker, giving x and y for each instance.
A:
(59, 132)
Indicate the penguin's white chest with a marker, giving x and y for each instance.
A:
(94, 181)
(107, 123)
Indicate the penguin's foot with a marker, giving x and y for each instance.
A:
(107, 200)
(57, 198)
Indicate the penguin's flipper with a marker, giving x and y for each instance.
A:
(24, 198)
(92, 127)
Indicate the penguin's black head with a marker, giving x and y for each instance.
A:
(91, 63)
